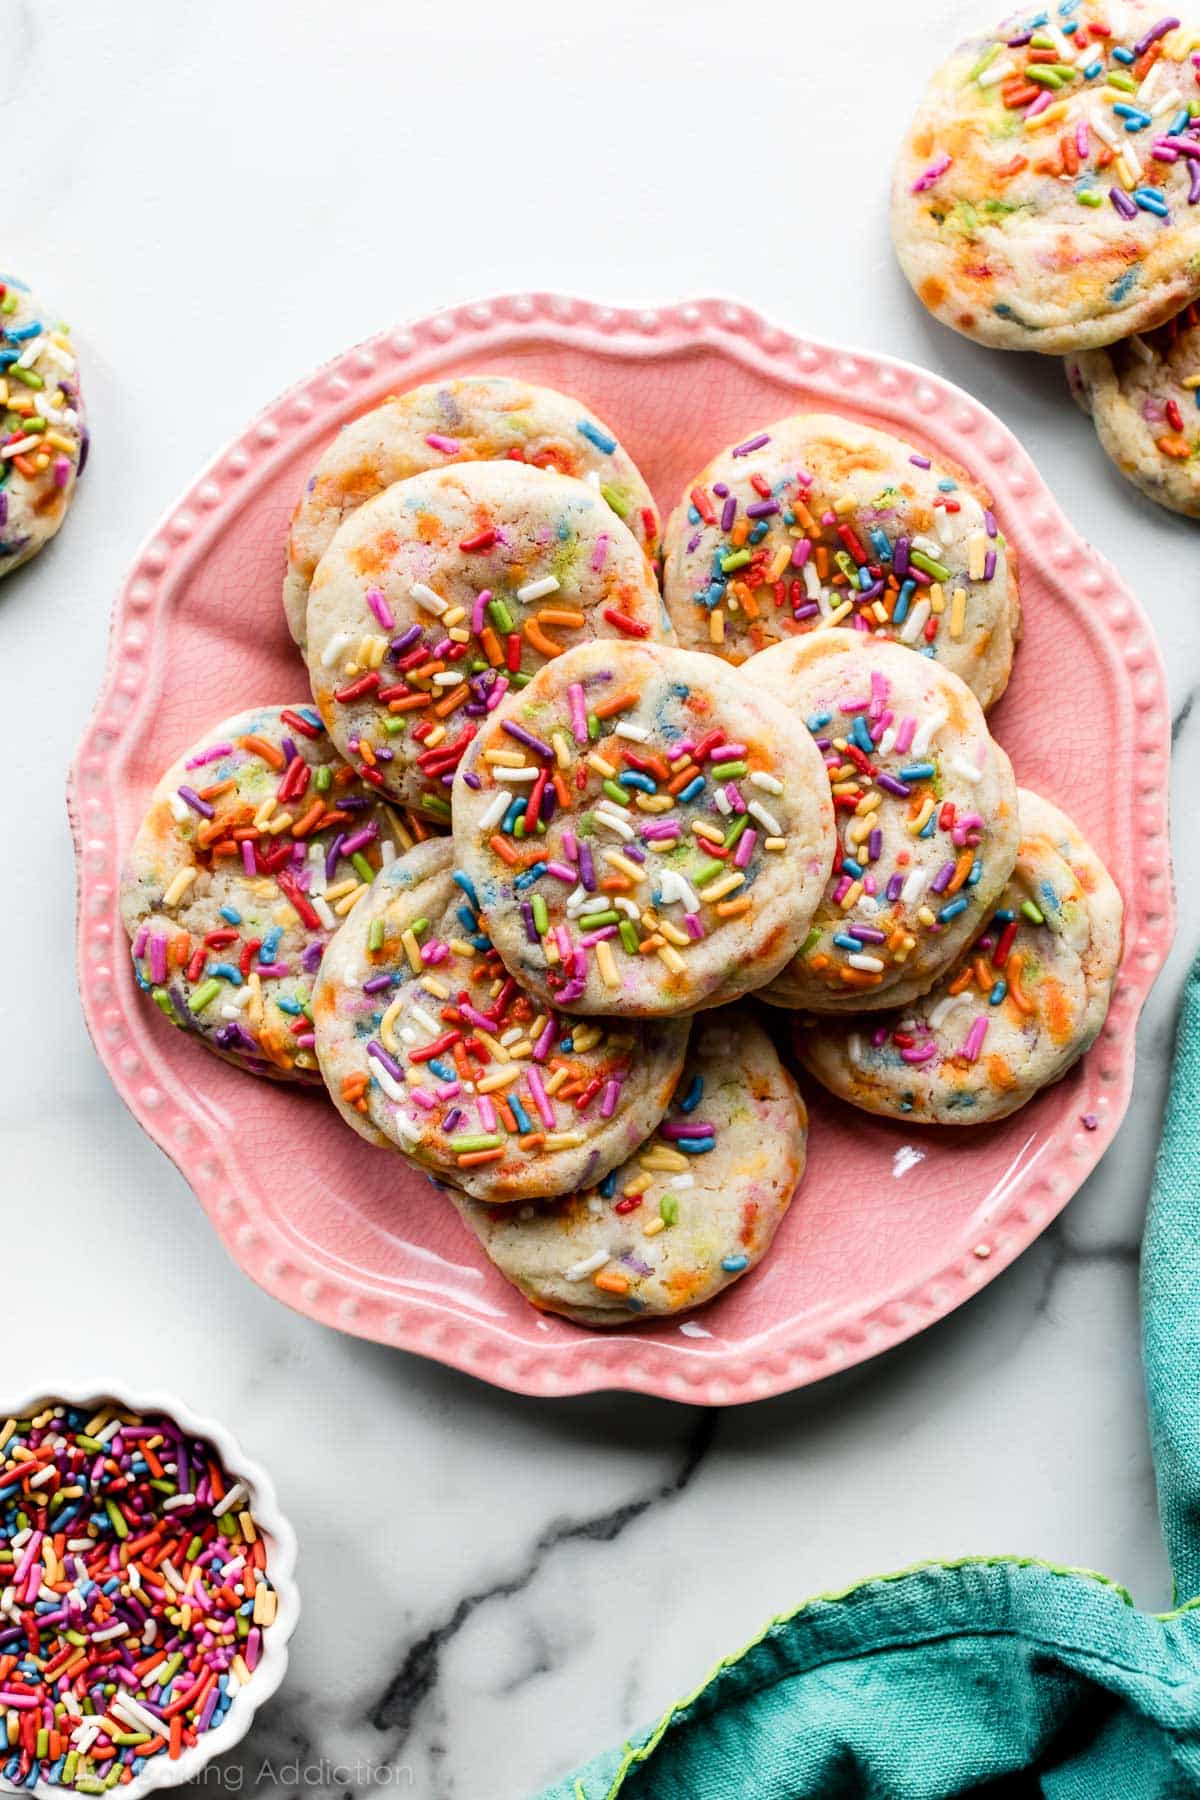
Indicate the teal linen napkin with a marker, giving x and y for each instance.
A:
(994, 1676)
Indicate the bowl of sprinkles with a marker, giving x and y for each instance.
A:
(147, 1593)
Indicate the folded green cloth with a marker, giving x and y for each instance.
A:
(992, 1676)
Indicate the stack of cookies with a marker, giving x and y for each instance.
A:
(506, 883)
(1047, 198)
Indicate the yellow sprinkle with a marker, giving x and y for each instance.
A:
(555, 1081)
(839, 613)
(436, 987)
(716, 626)
(727, 884)
(922, 818)
(976, 554)
(508, 759)
(623, 864)
(607, 965)
(704, 828)
(880, 611)
(562, 752)
(601, 765)
(520, 1049)
(179, 887)
(653, 803)
(659, 1157)
(586, 1037)
(844, 503)
(460, 947)
(501, 1078)
(774, 843)
(559, 1140)
(668, 954)
(254, 1004)
(435, 737)
(263, 814)
(281, 823)
(550, 951)
(779, 562)
(637, 1184)
(412, 950)
(351, 901)
(672, 934)
(459, 635)
(386, 1023)
(937, 597)
(958, 612)
(851, 896)
(1191, 381)
(376, 652)
(57, 441)
(1051, 116)
(453, 616)
(497, 1049)
(651, 1228)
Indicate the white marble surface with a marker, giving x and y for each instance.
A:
(221, 197)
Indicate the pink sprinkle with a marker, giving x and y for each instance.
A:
(448, 446)
(434, 953)
(1040, 104)
(570, 845)
(158, 958)
(207, 756)
(693, 926)
(919, 1053)
(801, 551)
(562, 938)
(423, 1098)
(906, 733)
(870, 885)
(931, 174)
(734, 797)
(545, 1043)
(248, 856)
(481, 600)
(578, 712)
(660, 830)
(841, 890)
(975, 1037)
(600, 553)
(969, 823)
(380, 608)
(62, 471)
(879, 693)
(561, 872)
(541, 1099)
(879, 1037)
(726, 753)
(745, 849)
(1083, 138)
(608, 1102)
(487, 1111)
(499, 689)
(139, 942)
(597, 937)
(448, 1090)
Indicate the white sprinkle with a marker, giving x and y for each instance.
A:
(404, 1125)
(637, 734)
(914, 625)
(577, 1272)
(341, 640)
(629, 907)
(614, 823)
(387, 852)
(914, 887)
(119, 1629)
(767, 820)
(957, 766)
(770, 784)
(493, 813)
(593, 903)
(449, 678)
(425, 596)
(1141, 348)
(682, 1181)
(873, 964)
(426, 1021)
(999, 71)
(177, 1500)
(237, 1493)
(854, 1045)
(674, 886)
(887, 742)
(528, 773)
(724, 805)
(323, 911)
(941, 1012)
(179, 808)
(537, 590)
(928, 730)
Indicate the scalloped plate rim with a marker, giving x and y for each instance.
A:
(759, 1366)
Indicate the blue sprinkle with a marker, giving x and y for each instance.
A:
(733, 1265)
(635, 779)
(467, 919)
(881, 542)
(693, 516)
(694, 1146)
(844, 942)
(947, 485)
(232, 916)
(519, 1114)
(694, 1095)
(998, 992)
(528, 876)
(443, 1070)
(817, 721)
(976, 871)
(918, 772)
(594, 435)
(930, 826)
(1093, 69)
(228, 972)
(270, 944)
(463, 880)
(608, 1186)
(852, 868)
(759, 533)
(956, 906)
(695, 786)
(903, 602)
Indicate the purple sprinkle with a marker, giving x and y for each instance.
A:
(806, 612)
(720, 489)
(196, 803)
(332, 855)
(587, 870)
(1122, 203)
(1194, 183)
(875, 844)
(989, 522)
(867, 934)
(472, 781)
(376, 984)
(405, 641)
(762, 509)
(1156, 31)
(390, 1064)
(903, 544)
(536, 744)
(728, 513)
(754, 443)
(989, 565)
(361, 839)
(531, 930)
(891, 785)
(943, 878)
(453, 1119)
(894, 887)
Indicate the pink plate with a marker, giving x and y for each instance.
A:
(893, 1226)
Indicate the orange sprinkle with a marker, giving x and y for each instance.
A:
(309, 820)
(615, 703)
(544, 645)
(260, 747)
(1012, 971)
(409, 703)
(472, 1159)
(729, 909)
(454, 698)
(504, 850)
(611, 1283)
(491, 646)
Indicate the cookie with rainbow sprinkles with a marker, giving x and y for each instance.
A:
(927, 817)
(256, 845)
(447, 592)
(1047, 194)
(643, 834)
(1019, 1008)
(1143, 396)
(43, 434)
(428, 1044)
(819, 521)
(690, 1212)
(476, 418)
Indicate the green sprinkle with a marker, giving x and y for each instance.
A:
(521, 679)
(1090, 197)
(728, 771)
(1044, 74)
(375, 935)
(594, 731)
(668, 1207)
(1033, 913)
(708, 871)
(936, 570)
(463, 1146)
(541, 918)
(393, 727)
(116, 1517)
(737, 559)
(208, 990)
(616, 500)
(162, 1000)
(419, 925)
(365, 871)
(500, 616)
(629, 937)
(324, 778)
(594, 920)
(30, 377)
(736, 829)
(436, 803)
(1118, 79)
(985, 62)
(811, 941)
(616, 792)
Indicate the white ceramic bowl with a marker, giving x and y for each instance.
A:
(160, 1771)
